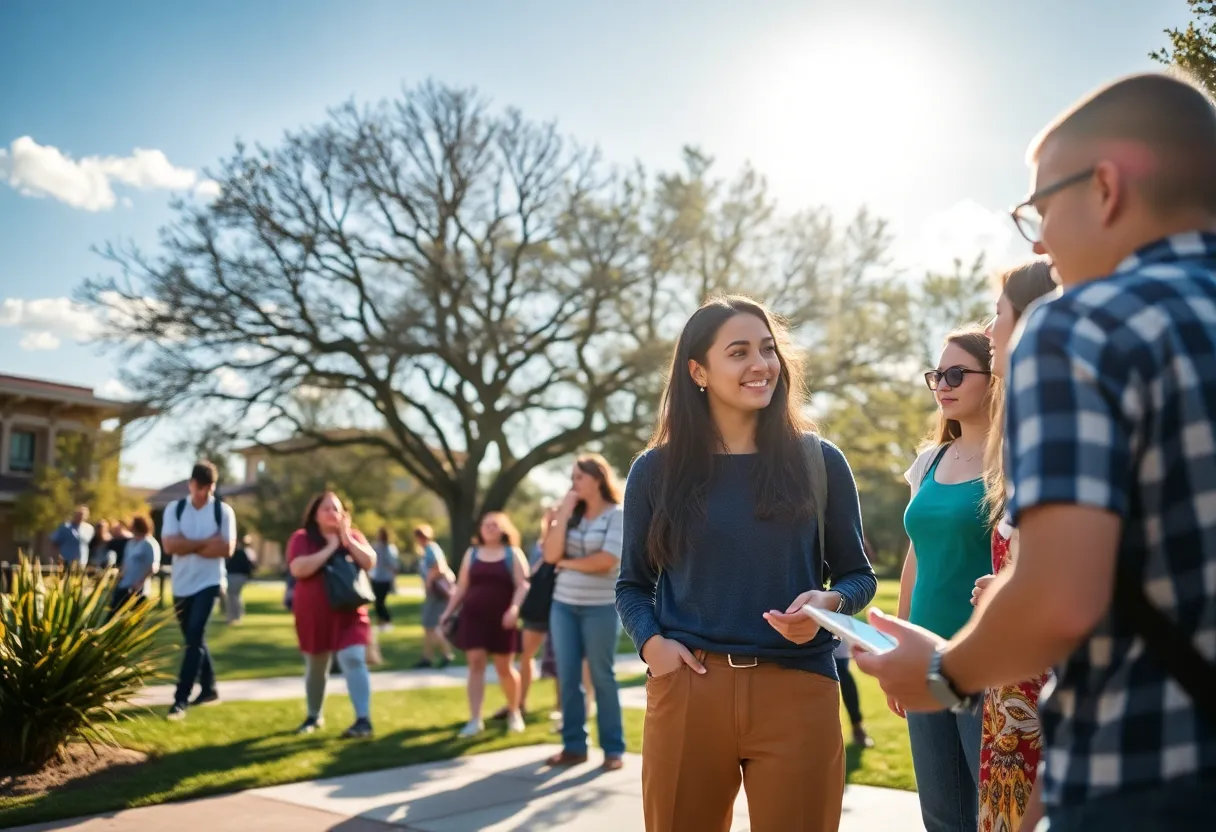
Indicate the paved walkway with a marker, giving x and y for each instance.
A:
(292, 687)
(507, 790)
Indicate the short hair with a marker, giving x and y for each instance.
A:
(140, 525)
(204, 473)
(1164, 111)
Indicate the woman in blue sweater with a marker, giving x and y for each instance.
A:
(720, 553)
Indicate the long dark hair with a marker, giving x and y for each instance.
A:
(594, 465)
(687, 440)
(975, 342)
(311, 530)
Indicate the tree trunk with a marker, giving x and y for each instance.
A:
(462, 519)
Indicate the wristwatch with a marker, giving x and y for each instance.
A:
(943, 689)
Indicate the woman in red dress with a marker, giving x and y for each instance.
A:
(1011, 742)
(322, 631)
(492, 583)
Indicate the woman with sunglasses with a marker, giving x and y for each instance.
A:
(950, 549)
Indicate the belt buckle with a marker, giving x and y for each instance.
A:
(730, 660)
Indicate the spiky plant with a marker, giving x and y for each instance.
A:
(66, 666)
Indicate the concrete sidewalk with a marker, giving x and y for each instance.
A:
(292, 687)
(507, 790)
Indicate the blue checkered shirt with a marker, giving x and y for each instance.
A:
(1112, 405)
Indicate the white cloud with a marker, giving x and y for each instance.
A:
(45, 321)
(207, 190)
(42, 170)
(964, 230)
(39, 340)
(114, 389)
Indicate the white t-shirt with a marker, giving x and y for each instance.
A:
(194, 573)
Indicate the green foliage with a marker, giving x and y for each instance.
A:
(65, 670)
(1194, 49)
(85, 472)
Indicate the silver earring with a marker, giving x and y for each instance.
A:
(702, 389)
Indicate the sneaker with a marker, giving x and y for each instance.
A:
(472, 729)
(313, 723)
(502, 714)
(860, 738)
(209, 698)
(422, 664)
(362, 728)
(177, 713)
(515, 723)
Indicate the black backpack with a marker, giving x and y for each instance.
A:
(217, 505)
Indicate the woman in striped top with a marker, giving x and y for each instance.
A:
(583, 623)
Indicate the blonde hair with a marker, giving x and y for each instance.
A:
(1021, 286)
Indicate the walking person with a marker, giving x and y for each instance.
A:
(1011, 743)
(323, 632)
(199, 532)
(73, 539)
(383, 575)
(729, 521)
(584, 545)
(141, 560)
(492, 583)
(1111, 407)
(240, 572)
(99, 546)
(951, 547)
(438, 580)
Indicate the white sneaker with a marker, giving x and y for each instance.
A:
(472, 729)
(515, 723)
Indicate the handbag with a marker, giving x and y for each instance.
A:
(346, 585)
(539, 600)
(451, 626)
(441, 588)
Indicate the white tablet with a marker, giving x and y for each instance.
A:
(851, 631)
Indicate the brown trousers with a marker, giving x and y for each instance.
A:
(775, 730)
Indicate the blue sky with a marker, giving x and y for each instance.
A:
(920, 110)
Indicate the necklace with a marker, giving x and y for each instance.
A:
(966, 459)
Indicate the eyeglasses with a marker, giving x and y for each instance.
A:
(1026, 216)
(954, 376)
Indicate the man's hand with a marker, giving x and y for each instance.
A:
(794, 624)
(214, 547)
(663, 656)
(903, 673)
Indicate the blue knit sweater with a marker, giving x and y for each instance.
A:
(738, 567)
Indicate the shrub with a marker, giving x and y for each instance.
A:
(66, 666)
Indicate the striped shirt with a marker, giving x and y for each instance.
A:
(603, 534)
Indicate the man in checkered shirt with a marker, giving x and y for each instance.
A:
(1112, 453)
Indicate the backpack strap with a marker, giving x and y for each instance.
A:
(180, 509)
(818, 469)
(218, 507)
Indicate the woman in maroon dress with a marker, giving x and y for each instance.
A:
(492, 583)
(322, 631)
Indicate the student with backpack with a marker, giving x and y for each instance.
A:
(199, 531)
(729, 521)
(492, 584)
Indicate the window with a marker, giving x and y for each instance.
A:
(21, 445)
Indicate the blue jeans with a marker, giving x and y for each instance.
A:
(1181, 806)
(946, 759)
(192, 613)
(588, 632)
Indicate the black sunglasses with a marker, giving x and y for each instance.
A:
(954, 376)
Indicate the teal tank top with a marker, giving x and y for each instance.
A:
(948, 528)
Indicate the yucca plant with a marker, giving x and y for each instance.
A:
(66, 666)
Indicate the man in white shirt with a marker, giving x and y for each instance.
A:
(199, 532)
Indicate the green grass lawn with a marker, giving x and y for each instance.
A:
(242, 745)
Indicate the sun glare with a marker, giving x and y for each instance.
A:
(844, 113)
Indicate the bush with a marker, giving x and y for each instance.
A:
(66, 667)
